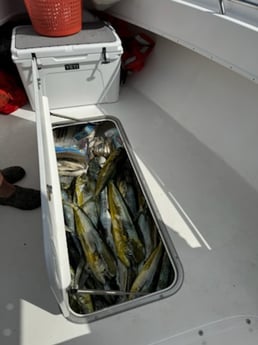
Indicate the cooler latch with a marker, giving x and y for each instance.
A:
(105, 60)
(34, 57)
(38, 63)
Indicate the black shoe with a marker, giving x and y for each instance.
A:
(23, 198)
(13, 174)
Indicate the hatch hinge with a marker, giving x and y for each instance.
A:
(49, 191)
(105, 60)
(39, 82)
(34, 57)
(38, 63)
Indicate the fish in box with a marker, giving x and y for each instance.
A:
(120, 255)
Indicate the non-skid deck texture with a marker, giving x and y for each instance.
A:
(215, 235)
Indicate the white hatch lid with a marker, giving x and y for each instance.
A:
(52, 211)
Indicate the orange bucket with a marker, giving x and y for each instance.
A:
(55, 18)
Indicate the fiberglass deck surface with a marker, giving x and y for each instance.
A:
(211, 215)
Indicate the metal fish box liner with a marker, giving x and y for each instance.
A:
(142, 263)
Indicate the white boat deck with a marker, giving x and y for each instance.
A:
(211, 215)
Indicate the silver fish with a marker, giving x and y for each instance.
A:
(69, 168)
(127, 191)
(71, 157)
(101, 147)
(68, 211)
(94, 168)
(72, 273)
(79, 272)
(105, 219)
(109, 169)
(113, 134)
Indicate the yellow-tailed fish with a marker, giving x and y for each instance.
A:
(120, 238)
(80, 303)
(127, 242)
(119, 234)
(85, 198)
(80, 193)
(144, 280)
(109, 168)
(126, 189)
(99, 258)
(105, 219)
(85, 303)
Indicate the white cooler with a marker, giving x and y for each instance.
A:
(76, 70)
(71, 75)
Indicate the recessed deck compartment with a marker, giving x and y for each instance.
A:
(120, 255)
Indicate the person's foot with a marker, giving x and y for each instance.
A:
(23, 198)
(13, 174)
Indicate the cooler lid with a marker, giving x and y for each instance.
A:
(26, 41)
(55, 245)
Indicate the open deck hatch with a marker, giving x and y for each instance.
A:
(120, 253)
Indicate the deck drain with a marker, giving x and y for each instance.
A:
(9, 306)
(7, 332)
